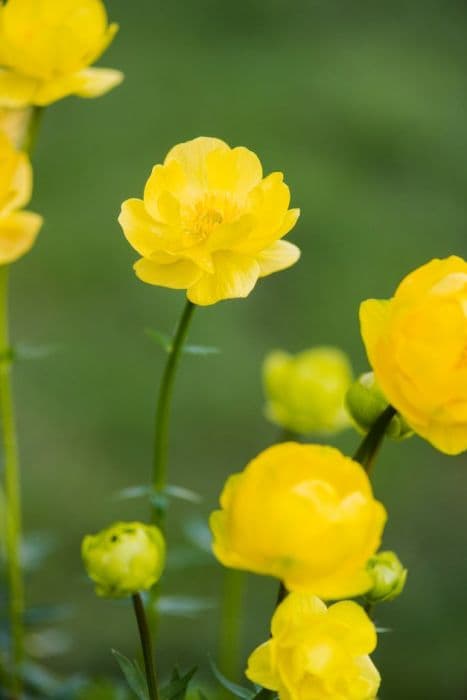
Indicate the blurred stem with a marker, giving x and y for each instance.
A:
(230, 640)
(371, 443)
(146, 645)
(32, 132)
(12, 494)
(164, 404)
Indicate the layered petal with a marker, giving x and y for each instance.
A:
(176, 275)
(234, 276)
(18, 232)
(278, 256)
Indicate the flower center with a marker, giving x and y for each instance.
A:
(205, 221)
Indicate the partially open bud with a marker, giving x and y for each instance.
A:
(389, 576)
(305, 393)
(366, 402)
(124, 559)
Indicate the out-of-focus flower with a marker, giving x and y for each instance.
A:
(305, 392)
(46, 48)
(14, 124)
(18, 228)
(305, 514)
(210, 223)
(417, 346)
(317, 653)
(389, 577)
(124, 559)
(366, 402)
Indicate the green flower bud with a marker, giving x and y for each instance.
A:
(388, 576)
(366, 402)
(124, 559)
(305, 393)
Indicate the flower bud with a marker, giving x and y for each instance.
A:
(366, 402)
(305, 393)
(124, 559)
(388, 576)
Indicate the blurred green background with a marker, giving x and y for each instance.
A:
(363, 106)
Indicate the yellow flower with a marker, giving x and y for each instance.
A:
(305, 514)
(210, 223)
(18, 229)
(417, 345)
(46, 48)
(317, 653)
(124, 559)
(14, 124)
(305, 392)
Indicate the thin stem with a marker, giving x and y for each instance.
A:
(371, 443)
(161, 439)
(146, 645)
(231, 622)
(13, 515)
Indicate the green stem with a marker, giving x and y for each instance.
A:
(146, 645)
(161, 439)
(371, 443)
(12, 494)
(230, 641)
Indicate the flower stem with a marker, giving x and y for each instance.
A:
(146, 645)
(32, 132)
(161, 439)
(371, 443)
(231, 622)
(12, 493)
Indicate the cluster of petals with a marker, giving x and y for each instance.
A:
(47, 48)
(417, 346)
(210, 222)
(317, 653)
(18, 228)
(305, 514)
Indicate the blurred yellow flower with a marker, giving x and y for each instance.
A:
(124, 559)
(18, 229)
(417, 345)
(305, 514)
(317, 653)
(210, 223)
(14, 124)
(46, 48)
(306, 392)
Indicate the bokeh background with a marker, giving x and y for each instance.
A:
(363, 106)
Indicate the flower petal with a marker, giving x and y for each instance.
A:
(234, 276)
(373, 318)
(237, 170)
(259, 669)
(296, 610)
(94, 82)
(177, 275)
(277, 256)
(17, 90)
(141, 231)
(192, 157)
(353, 627)
(18, 231)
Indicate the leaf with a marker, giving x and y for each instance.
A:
(162, 339)
(202, 350)
(133, 674)
(132, 492)
(184, 606)
(183, 494)
(238, 690)
(198, 533)
(177, 686)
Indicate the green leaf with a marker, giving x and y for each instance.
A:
(238, 690)
(198, 533)
(162, 339)
(159, 499)
(132, 492)
(202, 350)
(177, 687)
(183, 494)
(133, 674)
(184, 606)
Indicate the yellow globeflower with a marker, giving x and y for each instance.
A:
(18, 229)
(46, 48)
(124, 559)
(306, 392)
(317, 653)
(14, 123)
(305, 514)
(210, 223)
(417, 345)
